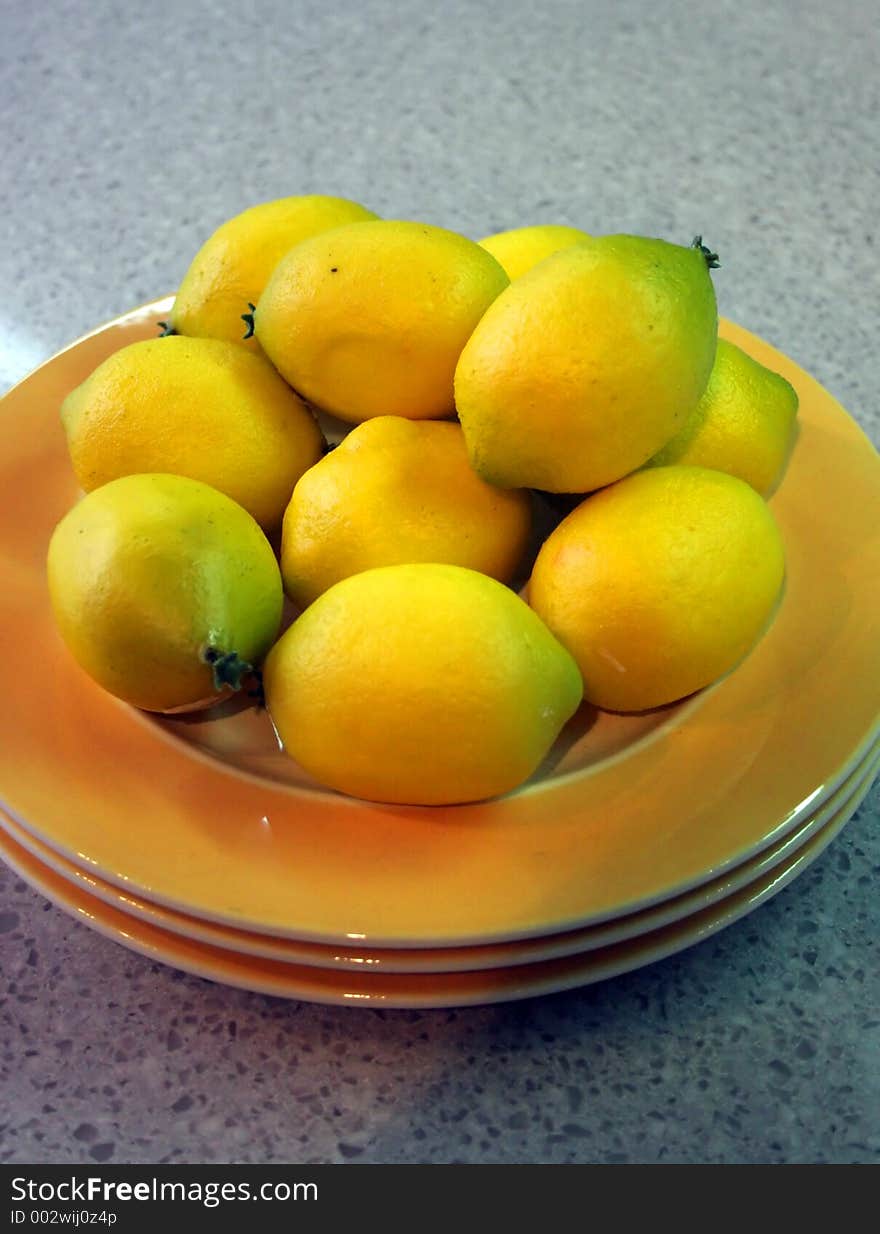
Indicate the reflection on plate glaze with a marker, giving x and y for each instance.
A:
(242, 738)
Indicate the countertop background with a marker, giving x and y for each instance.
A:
(128, 134)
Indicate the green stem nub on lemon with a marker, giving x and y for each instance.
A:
(151, 577)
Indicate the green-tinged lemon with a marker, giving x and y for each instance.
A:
(586, 366)
(744, 424)
(165, 591)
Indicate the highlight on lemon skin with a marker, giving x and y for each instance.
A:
(420, 684)
(522, 248)
(233, 265)
(370, 319)
(659, 584)
(396, 491)
(744, 424)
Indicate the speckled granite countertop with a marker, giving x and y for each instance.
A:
(130, 133)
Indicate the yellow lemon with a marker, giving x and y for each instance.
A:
(232, 267)
(370, 319)
(397, 491)
(584, 367)
(523, 247)
(166, 592)
(422, 684)
(193, 407)
(660, 584)
(744, 424)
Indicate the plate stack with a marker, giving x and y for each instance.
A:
(194, 840)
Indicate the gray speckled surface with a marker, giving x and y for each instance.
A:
(128, 135)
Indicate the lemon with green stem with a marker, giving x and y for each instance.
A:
(165, 591)
(587, 365)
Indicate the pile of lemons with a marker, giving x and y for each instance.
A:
(468, 384)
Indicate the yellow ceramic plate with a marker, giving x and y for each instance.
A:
(462, 959)
(492, 985)
(209, 819)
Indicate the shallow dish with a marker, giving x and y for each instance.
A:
(367, 960)
(209, 818)
(412, 990)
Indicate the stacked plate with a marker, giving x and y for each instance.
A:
(196, 841)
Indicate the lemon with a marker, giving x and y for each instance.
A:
(423, 684)
(660, 584)
(586, 366)
(164, 590)
(370, 319)
(523, 247)
(193, 407)
(397, 491)
(744, 424)
(232, 267)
